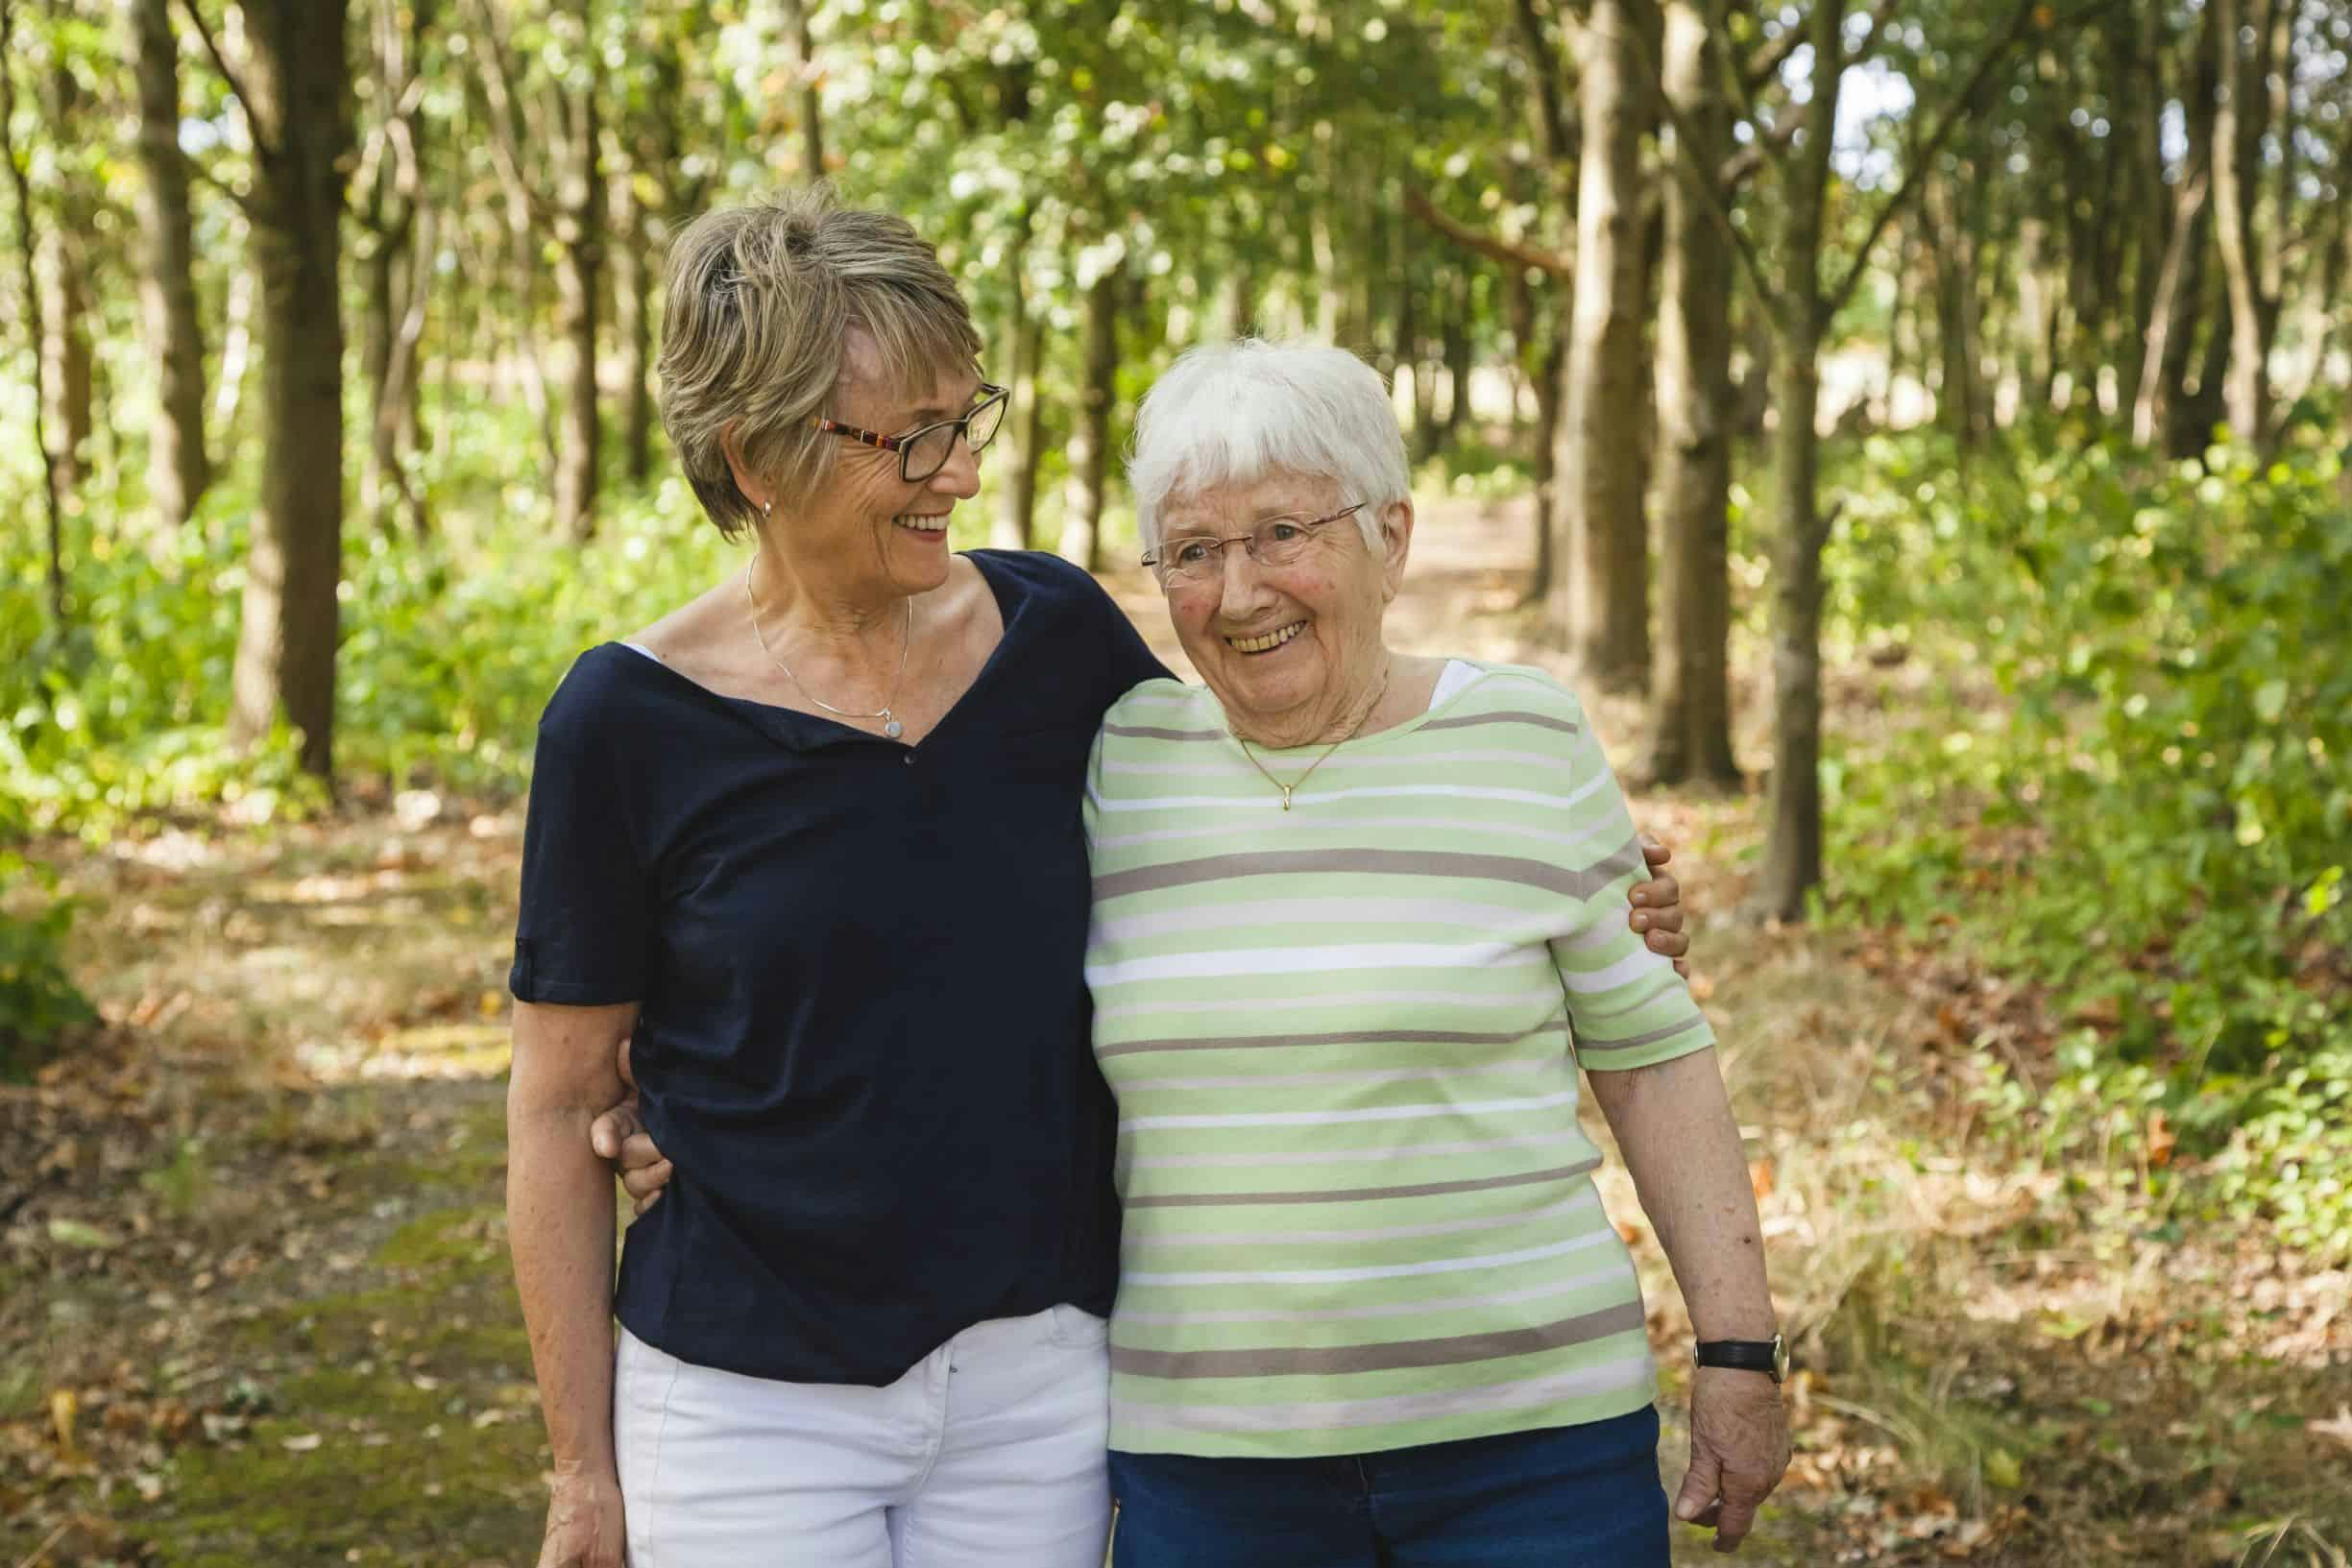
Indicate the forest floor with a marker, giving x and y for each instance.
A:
(254, 1305)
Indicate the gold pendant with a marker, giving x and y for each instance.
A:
(1286, 797)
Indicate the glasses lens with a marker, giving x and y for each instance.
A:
(1278, 541)
(983, 426)
(926, 453)
(1188, 560)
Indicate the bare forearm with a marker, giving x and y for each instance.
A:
(559, 1210)
(1674, 1124)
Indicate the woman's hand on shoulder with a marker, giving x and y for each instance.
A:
(1657, 908)
(619, 1135)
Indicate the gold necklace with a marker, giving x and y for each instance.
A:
(890, 726)
(1343, 740)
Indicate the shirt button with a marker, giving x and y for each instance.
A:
(910, 759)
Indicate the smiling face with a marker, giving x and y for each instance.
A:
(1292, 651)
(864, 532)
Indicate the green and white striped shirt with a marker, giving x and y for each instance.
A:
(1359, 1211)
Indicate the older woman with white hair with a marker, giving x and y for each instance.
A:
(1355, 929)
(809, 849)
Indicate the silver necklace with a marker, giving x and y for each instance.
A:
(1343, 740)
(890, 726)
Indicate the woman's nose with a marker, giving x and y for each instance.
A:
(1244, 580)
(959, 476)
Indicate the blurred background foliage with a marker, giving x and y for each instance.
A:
(2026, 378)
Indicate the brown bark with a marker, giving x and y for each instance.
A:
(1792, 844)
(806, 95)
(65, 354)
(1087, 494)
(1607, 539)
(177, 471)
(2240, 114)
(1691, 712)
(398, 229)
(580, 238)
(297, 84)
(632, 321)
(1016, 514)
(27, 249)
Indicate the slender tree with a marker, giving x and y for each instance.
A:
(1692, 710)
(294, 85)
(27, 248)
(1601, 519)
(178, 470)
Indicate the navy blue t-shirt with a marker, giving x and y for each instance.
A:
(863, 1035)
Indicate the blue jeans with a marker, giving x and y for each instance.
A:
(1563, 1497)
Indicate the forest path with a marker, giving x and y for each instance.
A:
(254, 1302)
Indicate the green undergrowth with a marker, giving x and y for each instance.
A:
(2122, 772)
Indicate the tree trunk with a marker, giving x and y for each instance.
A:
(1608, 609)
(1961, 401)
(2169, 312)
(236, 347)
(2240, 111)
(1792, 847)
(807, 95)
(1691, 730)
(177, 469)
(1087, 492)
(1792, 844)
(1458, 346)
(66, 356)
(298, 78)
(28, 246)
(632, 321)
(1016, 511)
(399, 224)
(580, 235)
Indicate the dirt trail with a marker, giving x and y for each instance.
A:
(254, 1307)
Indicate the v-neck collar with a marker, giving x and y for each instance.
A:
(803, 732)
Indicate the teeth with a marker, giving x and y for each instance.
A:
(926, 524)
(1271, 640)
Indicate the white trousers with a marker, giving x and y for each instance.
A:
(989, 1454)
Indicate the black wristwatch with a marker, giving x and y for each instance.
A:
(1769, 1357)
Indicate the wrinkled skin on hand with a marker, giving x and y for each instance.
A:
(584, 1522)
(1738, 1450)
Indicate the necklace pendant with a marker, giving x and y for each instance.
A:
(892, 727)
(1286, 797)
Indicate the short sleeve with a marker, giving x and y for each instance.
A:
(1627, 1007)
(584, 929)
(1131, 660)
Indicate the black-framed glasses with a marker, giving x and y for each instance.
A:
(1275, 541)
(923, 452)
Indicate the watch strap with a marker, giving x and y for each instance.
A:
(1743, 1355)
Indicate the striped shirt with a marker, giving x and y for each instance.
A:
(1359, 1211)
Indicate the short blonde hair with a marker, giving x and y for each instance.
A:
(759, 302)
(1234, 412)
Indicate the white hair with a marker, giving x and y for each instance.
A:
(1230, 412)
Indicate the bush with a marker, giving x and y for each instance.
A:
(38, 1001)
(2155, 818)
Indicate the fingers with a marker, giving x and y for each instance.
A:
(1694, 1503)
(1656, 850)
(1660, 892)
(612, 1132)
(637, 1151)
(627, 1075)
(639, 1206)
(644, 1182)
(1736, 1515)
